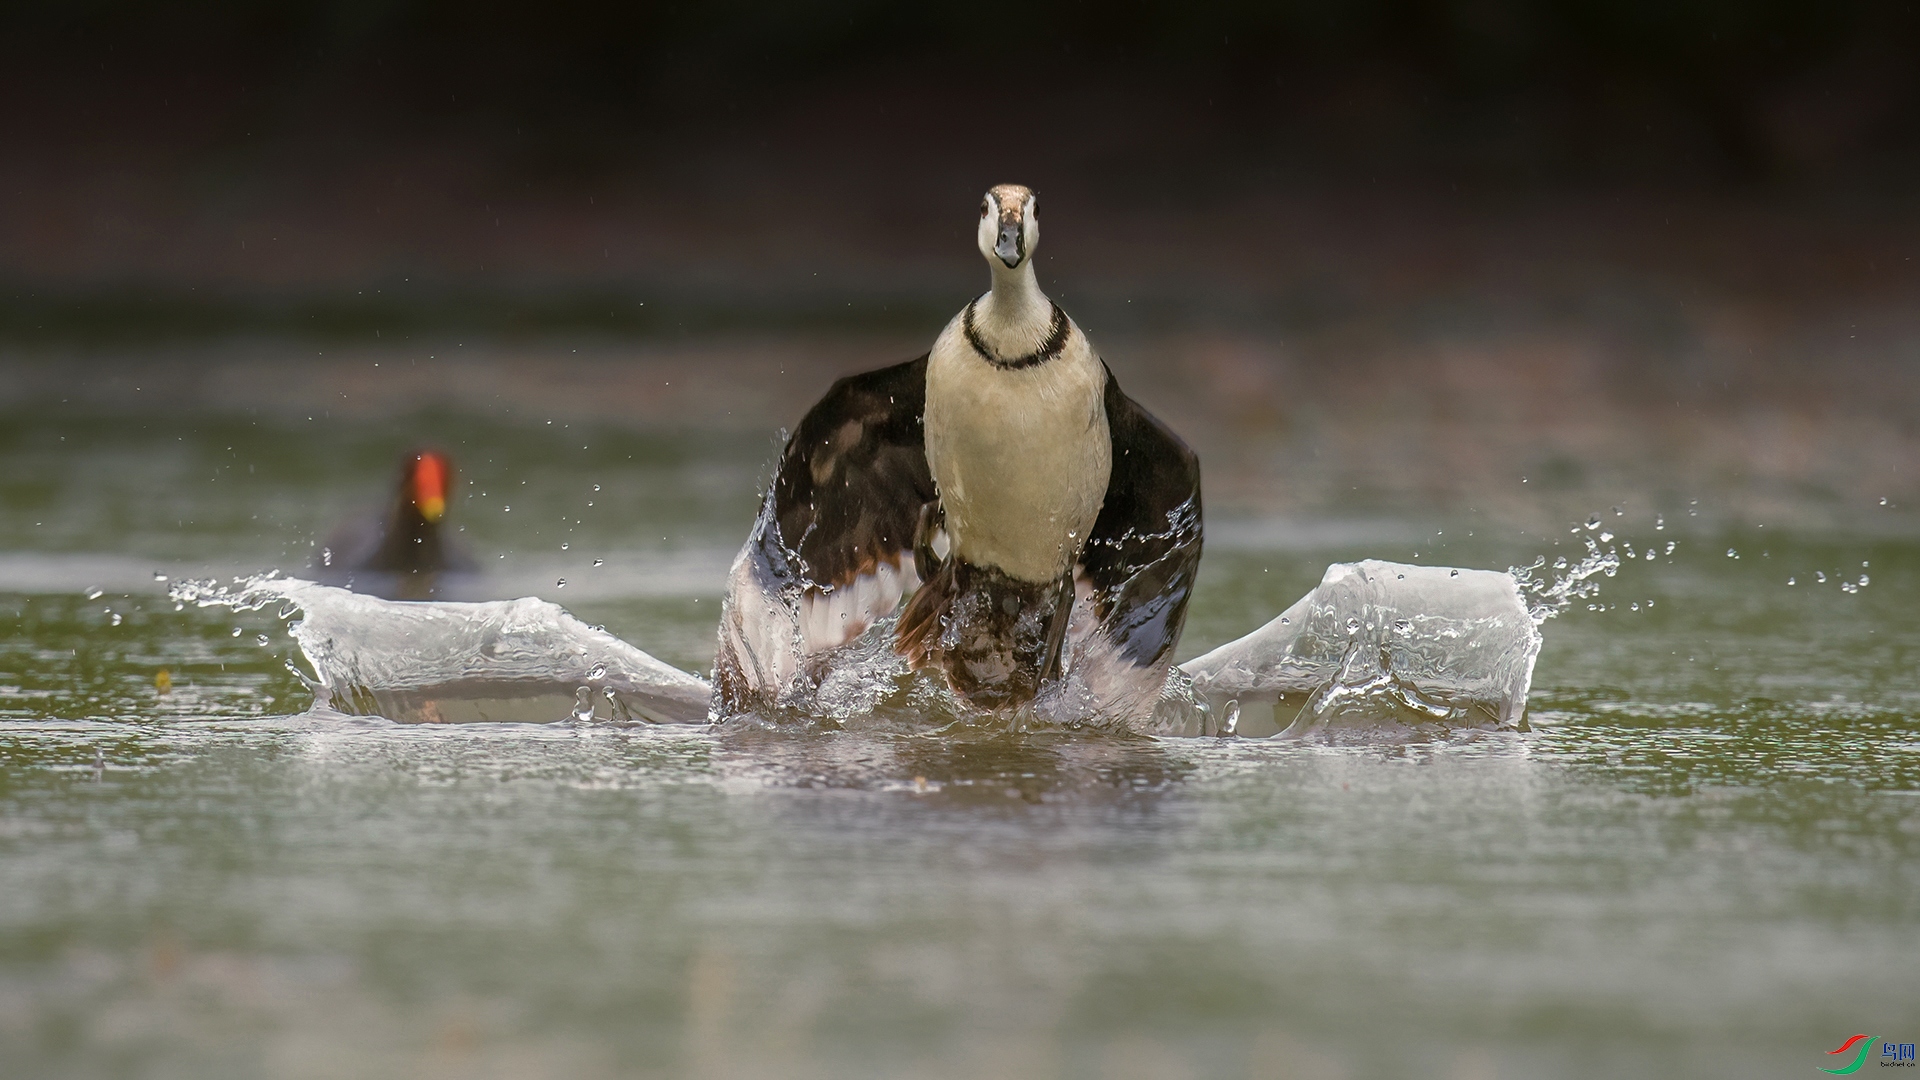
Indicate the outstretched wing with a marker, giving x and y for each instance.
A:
(1144, 551)
(832, 550)
(854, 477)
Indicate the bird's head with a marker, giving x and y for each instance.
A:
(428, 484)
(1009, 229)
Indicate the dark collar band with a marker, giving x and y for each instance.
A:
(1050, 348)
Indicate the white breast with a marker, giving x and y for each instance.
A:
(1020, 457)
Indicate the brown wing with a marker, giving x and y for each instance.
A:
(832, 549)
(854, 477)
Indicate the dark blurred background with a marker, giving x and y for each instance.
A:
(1386, 247)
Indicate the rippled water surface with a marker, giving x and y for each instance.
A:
(1704, 859)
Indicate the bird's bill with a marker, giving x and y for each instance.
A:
(430, 475)
(1012, 246)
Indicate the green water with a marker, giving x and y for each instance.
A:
(1703, 861)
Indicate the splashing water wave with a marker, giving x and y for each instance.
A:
(503, 661)
(1377, 650)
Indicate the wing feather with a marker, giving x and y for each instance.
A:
(832, 552)
(854, 476)
(1144, 551)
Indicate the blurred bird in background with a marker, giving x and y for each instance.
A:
(406, 553)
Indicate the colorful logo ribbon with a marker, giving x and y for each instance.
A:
(1866, 1044)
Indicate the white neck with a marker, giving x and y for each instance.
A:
(1021, 456)
(1015, 316)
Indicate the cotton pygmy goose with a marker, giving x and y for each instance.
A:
(407, 553)
(1036, 520)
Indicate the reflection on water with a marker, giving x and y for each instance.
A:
(958, 767)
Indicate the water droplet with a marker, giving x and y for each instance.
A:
(1863, 564)
(506, 509)
(561, 584)
(1791, 581)
(1659, 522)
(1593, 522)
(1402, 577)
(1883, 500)
(1353, 625)
(1635, 606)
(1649, 554)
(1403, 626)
(95, 594)
(1606, 538)
(599, 562)
(1732, 554)
(262, 640)
(583, 704)
(1669, 547)
(236, 631)
(596, 487)
(326, 556)
(1820, 576)
(116, 618)
(1863, 579)
(1560, 563)
(1232, 723)
(1453, 573)
(564, 546)
(158, 576)
(1284, 620)
(599, 672)
(1618, 512)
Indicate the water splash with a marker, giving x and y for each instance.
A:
(794, 651)
(438, 662)
(1379, 650)
(1549, 595)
